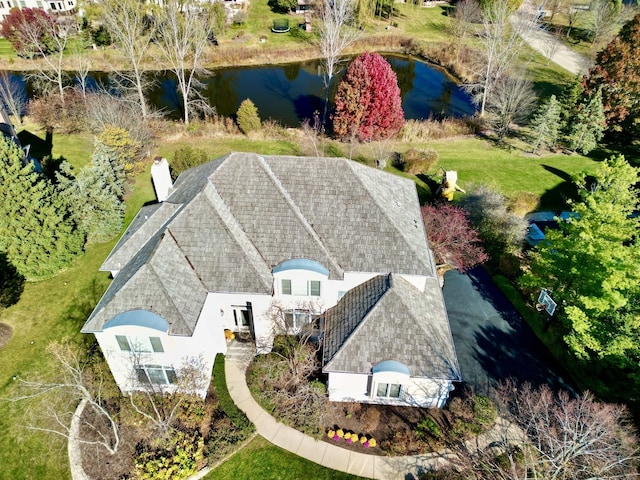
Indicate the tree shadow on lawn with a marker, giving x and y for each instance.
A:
(11, 283)
(83, 303)
(556, 198)
(39, 148)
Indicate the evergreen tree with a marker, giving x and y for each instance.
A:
(586, 128)
(617, 74)
(36, 233)
(248, 118)
(591, 266)
(95, 196)
(546, 124)
(569, 100)
(368, 103)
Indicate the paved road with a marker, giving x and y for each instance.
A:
(561, 54)
(492, 340)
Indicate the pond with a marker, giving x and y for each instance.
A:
(293, 92)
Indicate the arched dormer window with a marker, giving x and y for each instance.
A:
(389, 379)
(300, 277)
(135, 342)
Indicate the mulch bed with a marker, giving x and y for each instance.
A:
(6, 332)
(391, 426)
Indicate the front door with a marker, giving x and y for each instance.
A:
(243, 318)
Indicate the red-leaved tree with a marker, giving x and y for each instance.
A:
(454, 242)
(617, 74)
(368, 104)
(29, 31)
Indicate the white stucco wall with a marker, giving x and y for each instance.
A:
(199, 349)
(418, 392)
(220, 307)
(330, 290)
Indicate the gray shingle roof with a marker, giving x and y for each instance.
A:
(235, 218)
(387, 318)
(163, 283)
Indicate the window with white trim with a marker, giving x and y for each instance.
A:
(297, 318)
(139, 344)
(388, 390)
(156, 375)
(301, 288)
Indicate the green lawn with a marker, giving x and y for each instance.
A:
(50, 310)
(263, 460)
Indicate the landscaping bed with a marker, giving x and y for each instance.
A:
(301, 403)
(408, 430)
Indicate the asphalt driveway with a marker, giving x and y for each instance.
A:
(492, 340)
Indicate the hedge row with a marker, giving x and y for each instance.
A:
(237, 416)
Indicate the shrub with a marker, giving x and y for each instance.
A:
(236, 416)
(180, 458)
(501, 230)
(185, 158)
(62, 115)
(103, 110)
(416, 161)
(129, 151)
(240, 18)
(484, 411)
(521, 203)
(248, 118)
(427, 426)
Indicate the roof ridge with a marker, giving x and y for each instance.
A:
(349, 338)
(238, 234)
(298, 213)
(139, 233)
(166, 293)
(399, 228)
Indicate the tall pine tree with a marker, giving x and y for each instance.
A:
(95, 197)
(586, 127)
(545, 124)
(36, 233)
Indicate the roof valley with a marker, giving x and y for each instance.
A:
(298, 213)
(239, 235)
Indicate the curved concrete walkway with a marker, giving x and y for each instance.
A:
(331, 456)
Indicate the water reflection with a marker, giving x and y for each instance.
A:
(293, 92)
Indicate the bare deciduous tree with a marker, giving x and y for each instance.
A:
(337, 32)
(552, 436)
(132, 32)
(49, 68)
(604, 16)
(502, 41)
(552, 43)
(287, 376)
(62, 397)
(553, 7)
(184, 30)
(572, 17)
(82, 65)
(467, 14)
(161, 403)
(511, 102)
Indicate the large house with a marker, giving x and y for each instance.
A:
(50, 6)
(245, 232)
